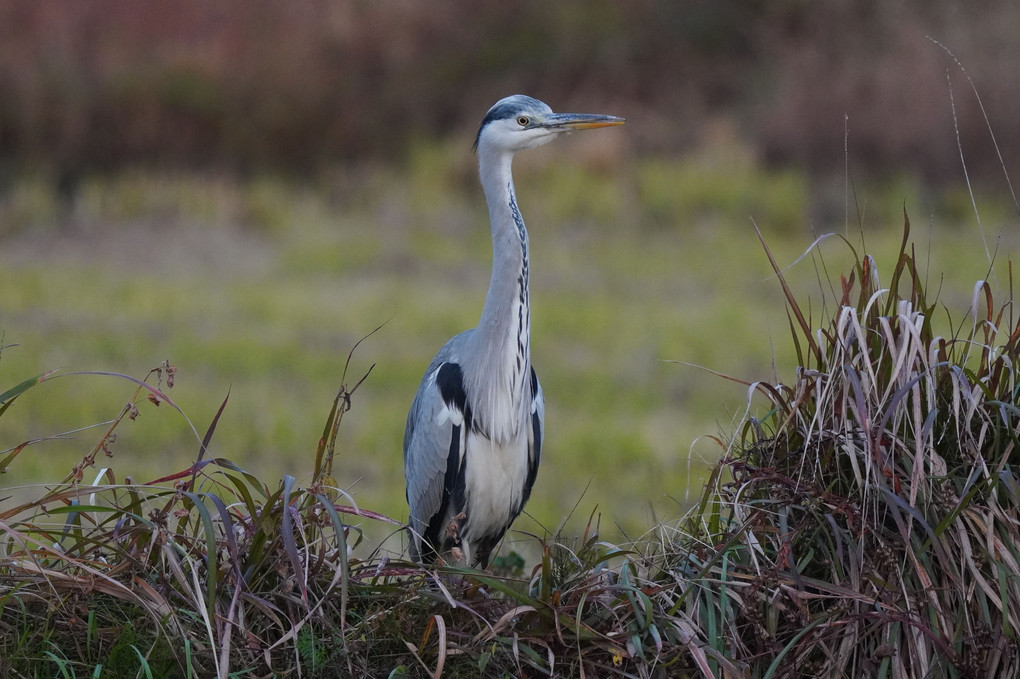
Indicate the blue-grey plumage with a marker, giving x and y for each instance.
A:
(473, 439)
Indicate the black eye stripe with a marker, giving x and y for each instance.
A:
(510, 109)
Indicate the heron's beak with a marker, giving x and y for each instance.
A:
(580, 121)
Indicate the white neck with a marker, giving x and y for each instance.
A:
(502, 350)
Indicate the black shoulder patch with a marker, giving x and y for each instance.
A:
(536, 435)
(450, 381)
(536, 431)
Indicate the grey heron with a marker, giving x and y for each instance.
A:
(474, 432)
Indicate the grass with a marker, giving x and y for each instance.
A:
(861, 522)
(865, 521)
(262, 287)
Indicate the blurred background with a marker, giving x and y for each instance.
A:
(246, 188)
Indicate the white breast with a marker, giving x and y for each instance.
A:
(495, 481)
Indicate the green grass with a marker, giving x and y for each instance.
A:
(861, 523)
(262, 287)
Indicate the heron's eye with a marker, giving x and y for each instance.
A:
(523, 121)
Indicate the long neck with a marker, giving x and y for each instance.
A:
(502, 351)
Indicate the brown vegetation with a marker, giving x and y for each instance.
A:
(298, 86)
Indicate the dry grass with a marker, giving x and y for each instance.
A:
(866, 523)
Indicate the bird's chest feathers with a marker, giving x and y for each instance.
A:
(496, 475)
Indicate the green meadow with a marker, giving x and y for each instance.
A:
(649, 288)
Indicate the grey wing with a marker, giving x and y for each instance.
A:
(426, 448)
(434, 450)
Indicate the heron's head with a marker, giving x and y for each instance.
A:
(520, 122)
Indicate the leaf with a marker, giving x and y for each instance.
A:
(287, 533)
(5, 463)
(208, 437)
(210, 552)
(7, 398)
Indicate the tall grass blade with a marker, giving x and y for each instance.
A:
(7, 398)
(207, 439)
